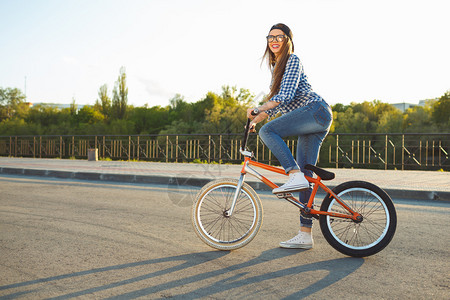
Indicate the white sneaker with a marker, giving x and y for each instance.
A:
(296, 182)
(302, 240)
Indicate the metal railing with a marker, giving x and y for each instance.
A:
(350, 150)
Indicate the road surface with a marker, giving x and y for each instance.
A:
(65, 238)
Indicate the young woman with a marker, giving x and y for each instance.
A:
(303, 113)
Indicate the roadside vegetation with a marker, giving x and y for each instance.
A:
(215, 113)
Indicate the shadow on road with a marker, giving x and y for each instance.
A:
(337, 270)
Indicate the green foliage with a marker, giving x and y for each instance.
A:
(224, 113)
(199, 161)
(390, 121)
(89, 115)
(149, 120)
(120, 96)
(419, 119)
(441, 111)
(103, 103)
(227, 113)
(12, 104)
(378, 117)
(364, 117)
(214, 113)
(118, 127)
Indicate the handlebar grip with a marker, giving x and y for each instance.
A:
(255, 112)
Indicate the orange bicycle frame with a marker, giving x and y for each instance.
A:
(246, 168)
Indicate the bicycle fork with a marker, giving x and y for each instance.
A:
(229, 212)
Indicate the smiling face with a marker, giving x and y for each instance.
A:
(275, 45)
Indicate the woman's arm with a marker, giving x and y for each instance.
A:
(262, 113)
(266, 106)
(289, 84)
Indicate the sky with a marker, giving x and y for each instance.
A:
(352, 50)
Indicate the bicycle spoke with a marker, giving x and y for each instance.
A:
(224, 228)
(359, 234)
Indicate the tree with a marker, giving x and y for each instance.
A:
(224, 112)
(73, 107)
(230, 96)
(149, 120)
(228, 114)
(390, 122)
(120, 96)
(88, 115)
(441, 111)
(418, 119)
(104, 100)
(338, 107)
(180, 110)
(366, 117)
(12, 103)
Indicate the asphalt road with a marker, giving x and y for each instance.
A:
(64, 238)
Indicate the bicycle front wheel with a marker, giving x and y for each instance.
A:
(364, 238)
(212, 223)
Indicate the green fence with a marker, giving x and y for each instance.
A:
(381, 151)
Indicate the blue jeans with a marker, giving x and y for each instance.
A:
(311, 124)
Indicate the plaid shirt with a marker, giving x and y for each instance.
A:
(295, 91)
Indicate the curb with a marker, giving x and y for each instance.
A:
(197, 182)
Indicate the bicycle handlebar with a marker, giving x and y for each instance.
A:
(247, 129)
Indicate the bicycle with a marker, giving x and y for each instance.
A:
(357, 218)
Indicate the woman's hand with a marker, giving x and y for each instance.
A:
(256, 119)
(260, 111)
(250, 111)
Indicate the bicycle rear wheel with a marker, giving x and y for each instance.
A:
(364, 238)
(211, 222)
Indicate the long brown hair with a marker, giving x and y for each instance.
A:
(278, 66)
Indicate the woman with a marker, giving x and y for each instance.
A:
(303, 113)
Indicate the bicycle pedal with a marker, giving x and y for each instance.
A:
(284, 195)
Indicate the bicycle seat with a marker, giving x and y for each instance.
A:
(324, 174)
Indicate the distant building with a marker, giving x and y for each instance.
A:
(57, 105)
(422, 102)
(404, 106)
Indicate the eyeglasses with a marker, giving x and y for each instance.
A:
(278, 38)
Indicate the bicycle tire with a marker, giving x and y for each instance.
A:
(373, 233)
(218, 230)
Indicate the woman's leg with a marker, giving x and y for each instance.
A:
(272, 134)
(313, 118)
(308, 148)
